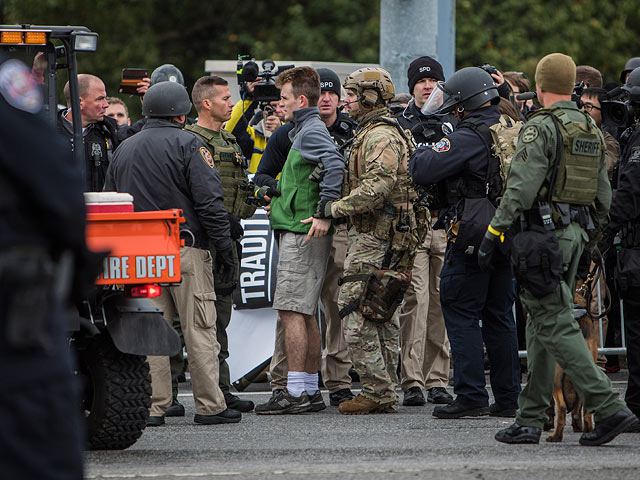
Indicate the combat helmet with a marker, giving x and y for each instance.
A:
(469, 88)
(373, 86)
(167, 73)
(166, 99)
(631, 65)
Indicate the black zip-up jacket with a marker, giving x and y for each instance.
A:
(164, 167)
(100, 141)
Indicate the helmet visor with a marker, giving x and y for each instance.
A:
(435, 100)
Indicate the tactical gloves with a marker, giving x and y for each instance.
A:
(323, 209)
(225, 264)
(488, 247)
(235, 227)
(267, 191)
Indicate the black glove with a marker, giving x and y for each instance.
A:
(225, 265)
(323, 210)
(267, 191)
(236, 228)
(487, 249)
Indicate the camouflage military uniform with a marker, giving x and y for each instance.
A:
(377, 187)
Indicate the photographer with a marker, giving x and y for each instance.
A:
(257, 115)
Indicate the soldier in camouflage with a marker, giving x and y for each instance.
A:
(383, 237)
(212, 100)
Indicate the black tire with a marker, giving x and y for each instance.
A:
(117, 394)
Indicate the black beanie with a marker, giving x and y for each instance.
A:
(329, 81)
(423, 67)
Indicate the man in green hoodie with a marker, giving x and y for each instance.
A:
(305, 238)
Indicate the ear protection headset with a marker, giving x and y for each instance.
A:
(369, 97)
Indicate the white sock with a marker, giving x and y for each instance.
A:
(311, 383)
(295, 383)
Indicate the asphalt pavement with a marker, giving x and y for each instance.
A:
(408, 444)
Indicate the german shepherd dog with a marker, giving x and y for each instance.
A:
(565, 397)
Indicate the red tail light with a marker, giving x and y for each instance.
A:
(142, 291)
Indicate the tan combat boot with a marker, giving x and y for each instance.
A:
(358, 406)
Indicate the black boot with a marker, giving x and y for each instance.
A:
(609, 428)
(519, 434)
(413, 397)
(236, 403)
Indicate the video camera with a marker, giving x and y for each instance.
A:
(265, 91)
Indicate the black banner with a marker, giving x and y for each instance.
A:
(258, 264)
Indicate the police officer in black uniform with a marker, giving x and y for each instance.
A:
(164, 167)
(625, 221)
(100, 132)
(464, 162)
(421, 322)
(426, 129)
(41, 218)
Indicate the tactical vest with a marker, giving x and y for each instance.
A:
(579, 164)
(398, 220)
(231, 165)
(470, 185)
(426, 131)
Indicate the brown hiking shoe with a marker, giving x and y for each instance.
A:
(358, 406)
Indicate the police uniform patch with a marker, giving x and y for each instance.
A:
(530, 133)
(521, 156)
(442, 146)
(19, 88)
(206, 156)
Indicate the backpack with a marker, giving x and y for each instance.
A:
(505, 138)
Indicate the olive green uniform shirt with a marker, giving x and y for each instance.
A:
(532, 165)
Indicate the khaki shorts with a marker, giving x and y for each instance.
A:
(301, 270)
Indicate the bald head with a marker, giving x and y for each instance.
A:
(85, 82)
(93, 98)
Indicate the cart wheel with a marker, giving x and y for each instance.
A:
(117, 394)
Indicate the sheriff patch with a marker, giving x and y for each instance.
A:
(206, 156)
(530, 134)
(442, 146)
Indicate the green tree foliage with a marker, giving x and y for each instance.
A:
(515, 34)
(148, 33)
(510, 34)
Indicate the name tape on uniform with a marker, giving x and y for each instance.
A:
(589, 148)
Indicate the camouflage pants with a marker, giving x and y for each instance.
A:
(373, 347)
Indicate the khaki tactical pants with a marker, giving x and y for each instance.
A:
(193, 301)
(336, 363)
(425, 357)
(553, 336)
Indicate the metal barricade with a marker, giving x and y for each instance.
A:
(622, 350)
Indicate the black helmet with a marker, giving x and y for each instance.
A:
(470, 87)
(632, 87)
(166, 99)
(631, 65)
(167, 73)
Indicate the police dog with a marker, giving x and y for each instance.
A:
(565, 397)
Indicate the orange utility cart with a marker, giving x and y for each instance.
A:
(145, 246)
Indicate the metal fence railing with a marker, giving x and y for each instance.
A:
(621, 350)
